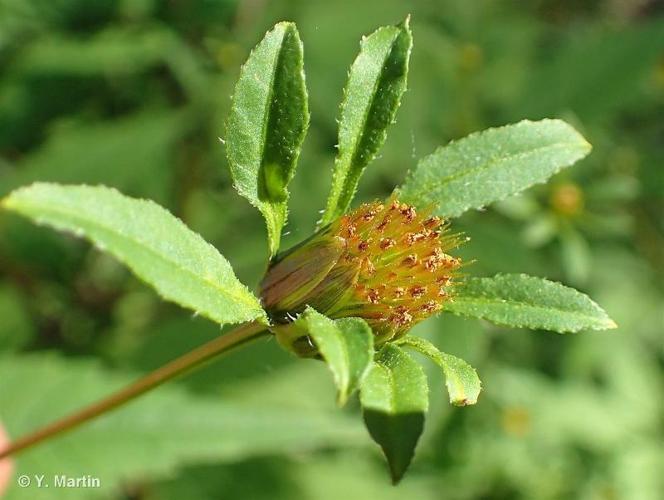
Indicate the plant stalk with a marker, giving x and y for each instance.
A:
(179, 366)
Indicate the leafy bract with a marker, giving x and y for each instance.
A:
(376, 82)
(528, 302)
(463, 384)
(154, 435)
(156, 246)
(491, 165)
(346, 345)
(394, 398)
(267, 124)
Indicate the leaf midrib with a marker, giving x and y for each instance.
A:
(392, 384)
(365, 116)
(353, 149)
(521, 304)
(440, 182)
(262, 205)
(346, 360)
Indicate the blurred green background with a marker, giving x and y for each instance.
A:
(134, 94)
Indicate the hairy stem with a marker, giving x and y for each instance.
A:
(177, 367)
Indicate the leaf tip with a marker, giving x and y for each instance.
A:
(5, 202)
(463, 401)
(10, 201)
(583, 143)
(282, 25)
(609, 324)
(396, 477)
(286, 26)
(397, 469)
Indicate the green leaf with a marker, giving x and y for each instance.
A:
(267, 124)
(16, 328)
(111, 52)
(346, 345)
(154, 435)
(585, 58)
(491, 165)
(394, 398)
(376, 82)
(155, 245)
(463, 384)
(528, 302)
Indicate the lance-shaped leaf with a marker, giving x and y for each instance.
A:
(463, 384)
(346, 345)
(267, 124)
(394, 398)
(528, 302)
(156, 246)
(491, 165)
(376, 82)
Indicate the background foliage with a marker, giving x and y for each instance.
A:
(134, 94)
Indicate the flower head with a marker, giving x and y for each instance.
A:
(383, 262)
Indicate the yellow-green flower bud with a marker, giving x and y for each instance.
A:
(384, 263)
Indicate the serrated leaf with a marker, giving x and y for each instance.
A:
(376, 82)
(154, 244)
(152, 436)
(528, 302)
(463, 384)
(394, 398)
(346, 345)
(267, 124)
(491, 165)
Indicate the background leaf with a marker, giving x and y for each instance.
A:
(267, 124)
(376, 82)
(112, 52)
(394, 399)
(154, 435)
(158, 247)
(16, 328)
(590, 57)
(463, 384)
(528, 302)
(346, 346)
(491, 165)
(129, 154)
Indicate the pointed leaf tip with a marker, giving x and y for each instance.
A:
(394, 398)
